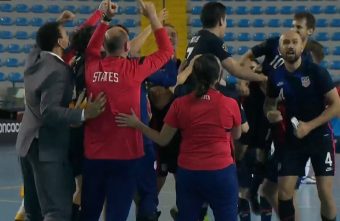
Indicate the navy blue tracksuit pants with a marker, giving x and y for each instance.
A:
(110, 180)
(218, 188)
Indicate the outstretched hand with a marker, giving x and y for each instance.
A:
(148, 9)
(127, 120)
(111, 9)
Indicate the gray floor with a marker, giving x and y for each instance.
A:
(10, 181)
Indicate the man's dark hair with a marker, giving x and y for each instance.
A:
(81, 39)
(310, 19)
(206, 70)
(48, 35)
(116, 42)
(212, 13)
(317, 50)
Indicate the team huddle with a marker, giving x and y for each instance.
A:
(103, 126)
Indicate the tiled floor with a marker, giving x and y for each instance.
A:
(10, 181)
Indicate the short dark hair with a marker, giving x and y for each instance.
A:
(212, 13)
(81, 38)
(310, 19)
(116, 42)
(48, 35)
(206, 70)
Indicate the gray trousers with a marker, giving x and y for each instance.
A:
(49, 187)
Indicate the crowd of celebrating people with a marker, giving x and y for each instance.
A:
(103, 126)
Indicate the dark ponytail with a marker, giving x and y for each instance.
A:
(206, 71)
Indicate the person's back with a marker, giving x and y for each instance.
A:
(205, 127)
(120, 78)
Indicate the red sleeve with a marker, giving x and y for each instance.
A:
(171, 117)
(92, 20)
(338, 88)
(96, 41)
(235, 112)
(145, 66)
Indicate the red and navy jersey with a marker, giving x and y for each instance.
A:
(205, 124)
(302, 93)
(120, 79)
(273, 59)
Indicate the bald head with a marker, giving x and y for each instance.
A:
(291, 46)
(116, 40)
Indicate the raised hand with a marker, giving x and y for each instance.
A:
(111, 9)
(66, 16)
(163, 15)
(147, 9)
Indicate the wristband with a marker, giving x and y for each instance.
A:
(106, 18)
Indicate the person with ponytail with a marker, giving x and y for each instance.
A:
(208, 122)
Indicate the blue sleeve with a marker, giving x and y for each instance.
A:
(272, 90)
(265, 47)
(167, 76)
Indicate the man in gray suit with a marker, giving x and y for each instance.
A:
(43, 139)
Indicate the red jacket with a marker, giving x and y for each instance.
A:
(120, 79)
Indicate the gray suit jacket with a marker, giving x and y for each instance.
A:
(48, 91)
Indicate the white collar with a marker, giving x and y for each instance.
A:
(55, 55)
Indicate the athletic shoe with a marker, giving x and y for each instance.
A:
(308, 180)
(174, 213)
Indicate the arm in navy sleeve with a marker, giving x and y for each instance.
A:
(167, 76)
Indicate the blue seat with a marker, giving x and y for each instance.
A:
(6, 7)
(6, 21)
(315, 9)
(37, 22)
(3, 76)
(288, 23)
(335, 22)
(231, 50)
(260, 36)
(196, 23)
(243, 23)
(85, 9)
(241, 10)
(229, 10)
(70, 24)
(330, 9)
(229, 36)
(242, 50)
(274, 34)
(244, 36)
(274, 23)
(259, 23)
(37, 9)
(271, 10)
(54, 9)
(114, 22)
(324, 64)
(15, 77)
(12, 62)
(2, 49)
(196, 10)
(132, 35)
(287, 10)
(27, 48)
(300, 8)
(6, 35)
(22, 8)
(21, 21)
(325, 50)
(336, 36)
(120, 10)
(80, 21)
(230, 23)
(131, 10)
(321, 23)
(70, 8)
(13, 48)
(322, 36)
(130, 23)
(256, 10)
(22, 35)
(336, 50)
(34, 35)
(335, 65)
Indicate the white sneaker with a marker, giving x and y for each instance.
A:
(308, 180)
